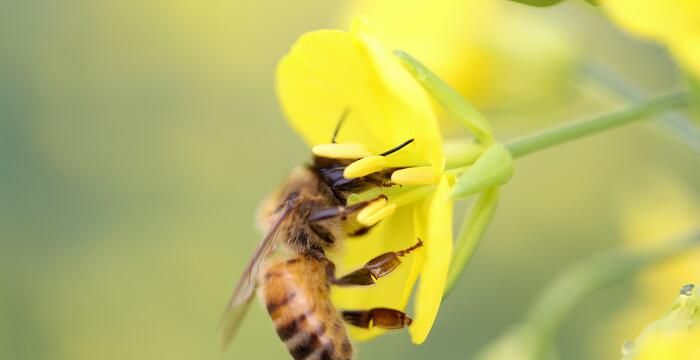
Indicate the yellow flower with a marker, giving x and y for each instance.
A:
(673, 23)
(330, 72)
(490, 51)
(654, 210)
(674, 337)
(683, 346)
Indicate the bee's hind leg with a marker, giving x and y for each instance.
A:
(377, 317)
(374, 269)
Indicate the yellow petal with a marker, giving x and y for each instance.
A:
(391, 291)
(674, 23)
(340, 151)
(328, 72)
(438, 253)
(679, 346)
(687, 49)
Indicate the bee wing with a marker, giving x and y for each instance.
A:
(243, 293)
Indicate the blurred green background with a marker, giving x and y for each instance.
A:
(136, 139)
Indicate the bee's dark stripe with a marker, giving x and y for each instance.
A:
(288, 330)
(325, 355)
(293, 261)
(328, 353)
(272, 274)
(272, 306)
(303, 349)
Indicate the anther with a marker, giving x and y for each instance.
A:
(340, 151)
(370, 209)
(365, 166)
(421, 175)
(378, 215)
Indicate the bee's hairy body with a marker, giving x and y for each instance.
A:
(296, 293)
(294, 283)
(307, 192)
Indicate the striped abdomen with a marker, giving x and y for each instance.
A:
(296, 293)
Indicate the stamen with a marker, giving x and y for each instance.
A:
(340, 151)
(370, 209)
(421, 175)
(365, 166)
(378, 215)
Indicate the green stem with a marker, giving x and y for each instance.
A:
(576, 130)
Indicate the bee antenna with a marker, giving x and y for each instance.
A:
(342, 118)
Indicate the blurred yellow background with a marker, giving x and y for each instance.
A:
(136, 139)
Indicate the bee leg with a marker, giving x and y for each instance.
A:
(377, 317)
(374, 269)
(342, 212)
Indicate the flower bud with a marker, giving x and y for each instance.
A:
(493, 168)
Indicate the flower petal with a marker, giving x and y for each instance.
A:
(438, 253)
(392, 291)
(328, 72)
(674, 23)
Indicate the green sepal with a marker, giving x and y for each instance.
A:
(461, 154)
(473, 229)
(493, 168)
(449, 98)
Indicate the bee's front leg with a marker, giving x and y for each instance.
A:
(342, 212)
(374, 269)
(347, 216)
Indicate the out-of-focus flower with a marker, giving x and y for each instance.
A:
(674, 337)
(492, 52)
(675, 24)
(328, 72)
(664, 209)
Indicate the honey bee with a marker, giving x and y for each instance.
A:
(307, 216)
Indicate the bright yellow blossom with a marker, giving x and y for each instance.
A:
(682, 346)
(328, 73)
(673, 23)
(490, 51)
(676, 336)
(655, 210)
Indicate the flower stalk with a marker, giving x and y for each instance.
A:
(572, 131)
